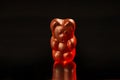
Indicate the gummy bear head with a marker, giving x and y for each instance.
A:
(62, 29)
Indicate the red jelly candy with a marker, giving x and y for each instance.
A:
(63, 40)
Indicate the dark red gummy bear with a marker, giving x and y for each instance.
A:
(63, 40)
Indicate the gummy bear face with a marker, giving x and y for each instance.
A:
(62, 30)
(63, 34)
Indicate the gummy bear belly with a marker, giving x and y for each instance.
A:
(63, 56)
(62, 47)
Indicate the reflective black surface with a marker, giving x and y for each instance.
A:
(25, 51)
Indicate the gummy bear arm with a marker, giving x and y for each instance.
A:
(72, 43)
(54, 43)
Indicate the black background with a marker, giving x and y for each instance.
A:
(25, 51)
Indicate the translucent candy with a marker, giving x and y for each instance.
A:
(63, 40)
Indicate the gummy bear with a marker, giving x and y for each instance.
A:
(63, 40)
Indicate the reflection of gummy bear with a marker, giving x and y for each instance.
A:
(64, 72)
(63, 40)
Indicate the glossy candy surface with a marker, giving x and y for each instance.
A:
(63, 40)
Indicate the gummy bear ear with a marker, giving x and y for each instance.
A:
(54, 23)
(70, 23)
